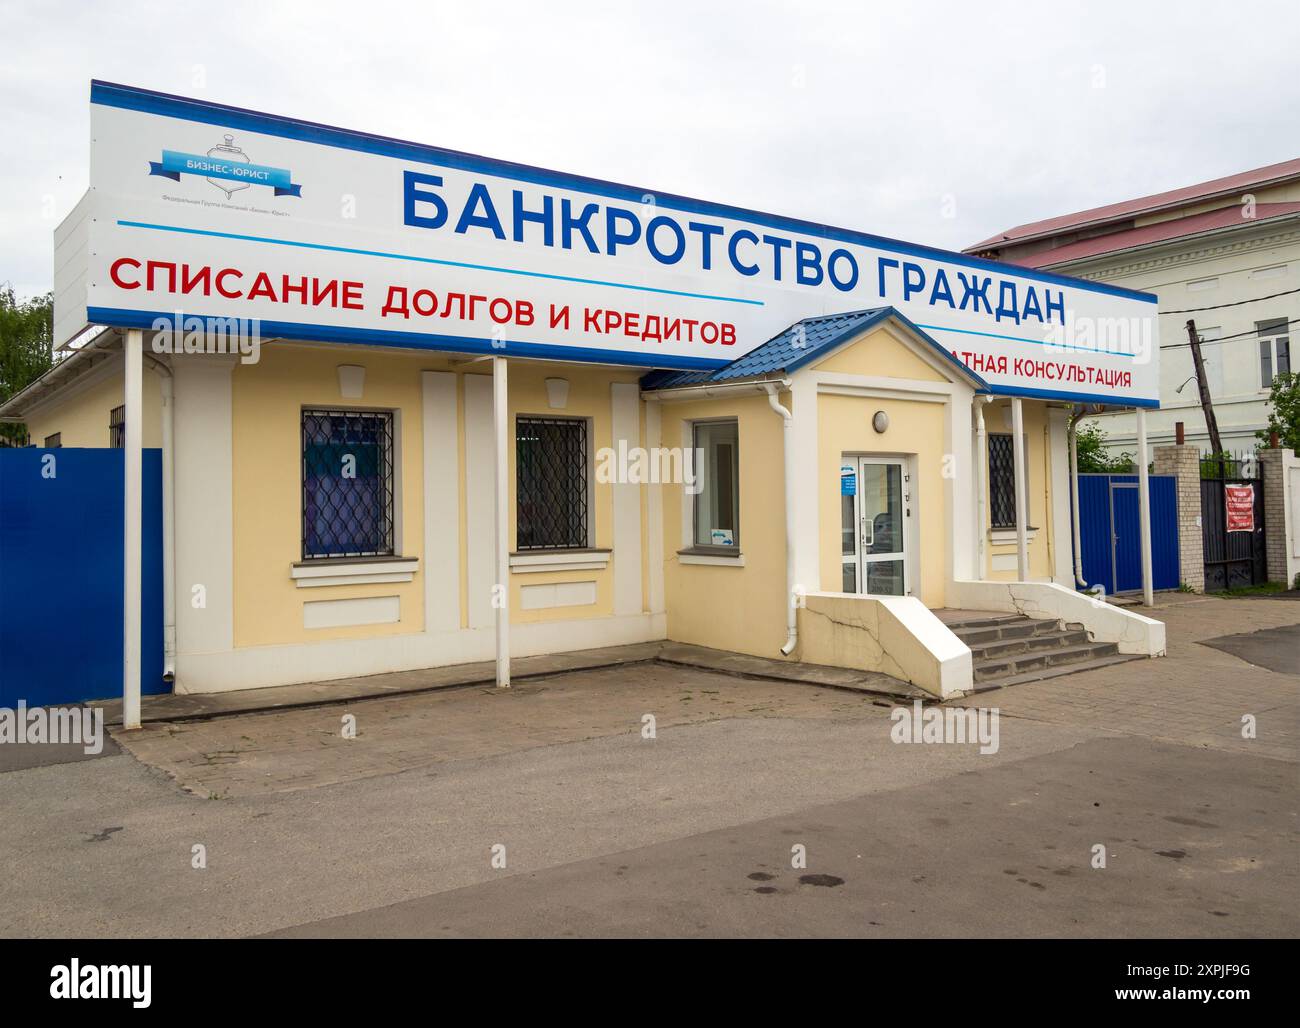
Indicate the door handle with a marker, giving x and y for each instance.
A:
(868, 523)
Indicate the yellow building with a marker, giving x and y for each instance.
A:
(345, 498)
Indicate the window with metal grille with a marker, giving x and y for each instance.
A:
(347, 483)
(117, 428)
(554, 501)
(54, 442)
(1001, 481)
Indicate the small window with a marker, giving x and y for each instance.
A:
(552, 484)
(1002, 479)
(1274, 350)
(347, 483)
(54, 442)
(717, 465)
(117, 428)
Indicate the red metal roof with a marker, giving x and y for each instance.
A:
(1142, 205)
(1159, 232)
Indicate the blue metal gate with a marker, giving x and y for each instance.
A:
(61, 575)
(1110, 538)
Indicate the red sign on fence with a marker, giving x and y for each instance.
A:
(1239, 503)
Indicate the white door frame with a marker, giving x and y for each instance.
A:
(859, 558)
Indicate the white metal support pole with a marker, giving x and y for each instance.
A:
(166, 384)
(133, 358)
(1022, 499)
(501, 589)
(981, 462)
(1144, 508)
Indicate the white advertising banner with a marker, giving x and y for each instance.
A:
(325, 234)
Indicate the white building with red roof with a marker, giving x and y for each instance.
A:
(1224, 253)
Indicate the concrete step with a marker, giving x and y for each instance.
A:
(1018, 664)
(1040, 674)
(1028, 644)
(1011, 628)
(988, 621)
(1008, 649)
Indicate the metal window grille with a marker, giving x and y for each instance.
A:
(117, 428)
(552, 485)
(347, 483)
(54, 442)
(1002, 481)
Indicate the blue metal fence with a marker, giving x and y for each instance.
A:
(1109, 530)
(61, 575)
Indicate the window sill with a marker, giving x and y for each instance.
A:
(1007, 536)
(716, 558)
(527, 562)
(353, 571)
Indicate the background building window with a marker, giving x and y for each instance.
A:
(552, 490)
(117, 428)
(717, 505)
(1002, 479)
(347, 483)
(1274, 350)
(54, 442)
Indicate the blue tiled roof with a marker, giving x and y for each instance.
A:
(802, 342)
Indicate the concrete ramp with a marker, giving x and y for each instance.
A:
(895, 635)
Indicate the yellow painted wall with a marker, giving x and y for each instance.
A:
(589, 397)
(82, 417)
(743, 608)
(731, 608)
(1039, 462)
(268, 398)
(915, 429)
(267, 401)
(880, 352)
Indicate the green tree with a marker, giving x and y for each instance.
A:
(1095, 459)
(1284, 411)
(26, 334)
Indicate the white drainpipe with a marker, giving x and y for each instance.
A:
(1073, 432)
(165, 383)
(792, 611)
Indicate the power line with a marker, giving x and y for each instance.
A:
(1223, 339)
(1238, 303)
(1252, 332)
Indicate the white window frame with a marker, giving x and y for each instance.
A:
(1269, 333)
(691, 544)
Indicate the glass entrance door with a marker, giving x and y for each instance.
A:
(873, 538)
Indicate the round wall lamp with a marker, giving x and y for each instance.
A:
(880, 421)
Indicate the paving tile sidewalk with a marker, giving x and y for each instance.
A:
(1196, 694)
(306, 747)
(192, 707)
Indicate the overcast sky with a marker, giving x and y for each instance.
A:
(939, 124)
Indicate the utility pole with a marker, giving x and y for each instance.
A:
(1216, 447)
